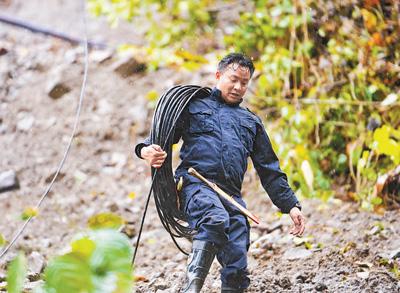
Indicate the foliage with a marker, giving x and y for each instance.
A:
(99, 261)
(2, 240)
(329, 82)
(327, 79)
(105, 220)
(16, 274)
(29, 212)
(181, 23)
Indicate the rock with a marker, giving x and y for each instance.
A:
(3, 128)
(256, 252)
(49, 178)
(36, 265)
(25, 123)
(56, 88)
(32, 285)
(363, 275)
(363, 253)
(32, 277)
(284, 283)
(366, 265)
(100, 56)
(128, 66)
(71, 56)
(374, 230)
(296, 253)
(129, 230)
(46, 243)
(8, 181)
(265, 241)
(112, 206)
(395, 254)
(304, 277)
(321, 287)
(254, 236)
(3, 285)
(7, 258)
(3, 51)
(160, 286)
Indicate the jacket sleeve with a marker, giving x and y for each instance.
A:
(273, 179)
(139, 146)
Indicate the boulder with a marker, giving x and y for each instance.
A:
(26, 122)
(128, 66)
(8, 181)
(57, 89)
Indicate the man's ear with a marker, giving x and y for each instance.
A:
(217, 75)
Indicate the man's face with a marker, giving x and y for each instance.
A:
(232, 82)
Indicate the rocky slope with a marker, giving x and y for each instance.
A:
(344, 250)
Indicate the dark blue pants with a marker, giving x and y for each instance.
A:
(216, 221)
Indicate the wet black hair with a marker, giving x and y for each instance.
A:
(236, 58)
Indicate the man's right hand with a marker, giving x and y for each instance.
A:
(154, 155)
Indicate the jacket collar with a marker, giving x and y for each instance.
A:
(216, 94)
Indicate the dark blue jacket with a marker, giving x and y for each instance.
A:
(218, 138)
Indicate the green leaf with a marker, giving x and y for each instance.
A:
(152, 95)
(376, 200)
(100, 261)
(2, 240)
(105, 220)
(16, 274)
(113, 251)
(84, 246)
(68, 273)
(29, 212)
(111, 260)
(384, 144)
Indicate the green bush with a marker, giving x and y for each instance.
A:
(99, 261)
(327, 80)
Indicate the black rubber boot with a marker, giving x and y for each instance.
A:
(231, 290)
(201, 258)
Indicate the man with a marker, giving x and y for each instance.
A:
(218, 136)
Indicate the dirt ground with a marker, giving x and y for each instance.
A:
(343, 250)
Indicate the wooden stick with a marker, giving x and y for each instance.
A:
(223, 194)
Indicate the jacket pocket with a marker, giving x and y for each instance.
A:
(200, 121)
(247, 133)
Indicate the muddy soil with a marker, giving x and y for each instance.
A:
(343, 250)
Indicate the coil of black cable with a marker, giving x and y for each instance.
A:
(168, 110)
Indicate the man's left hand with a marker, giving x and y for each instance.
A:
(298, 220)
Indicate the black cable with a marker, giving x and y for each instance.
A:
(171, 106)
(167, 112)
